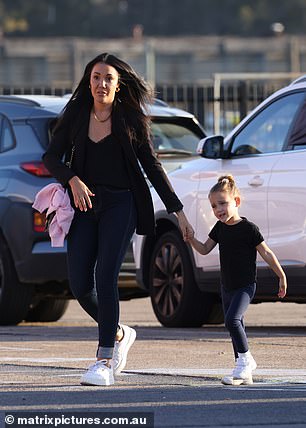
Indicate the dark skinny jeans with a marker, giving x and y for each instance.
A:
(97, 242)
(235, 304)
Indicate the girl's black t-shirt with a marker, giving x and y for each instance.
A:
(105, 163)
(237, 249)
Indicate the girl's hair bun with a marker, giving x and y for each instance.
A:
(226, 183)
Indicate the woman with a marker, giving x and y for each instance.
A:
(104, 133)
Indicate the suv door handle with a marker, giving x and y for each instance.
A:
(256, 181)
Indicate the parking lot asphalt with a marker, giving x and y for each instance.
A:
(174, 373)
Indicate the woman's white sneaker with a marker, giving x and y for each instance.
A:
(99, 374)
(242, 373)
(122, 348)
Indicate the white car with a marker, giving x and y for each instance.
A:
(266, 153)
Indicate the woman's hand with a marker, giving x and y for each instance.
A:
(185, 226)
(81, 194)
(282, 288)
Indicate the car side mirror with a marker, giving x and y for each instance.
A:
(211, 147)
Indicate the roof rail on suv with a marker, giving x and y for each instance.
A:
(159, 102)
(299, 80)
(15, 99)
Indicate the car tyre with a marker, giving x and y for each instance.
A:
(216, 315)
(15, 297)
(47, 310)
(175, 296)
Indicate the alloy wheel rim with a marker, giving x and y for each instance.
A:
(167, 280)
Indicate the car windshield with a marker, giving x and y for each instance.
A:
(175, 138)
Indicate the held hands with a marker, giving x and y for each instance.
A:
(185, 226)
(282, 288)
(81, 194)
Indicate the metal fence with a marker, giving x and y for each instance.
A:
(218, 104)
(35, 90)
(221, 104)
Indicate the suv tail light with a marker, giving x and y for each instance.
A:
(35, 168)
(39, 220)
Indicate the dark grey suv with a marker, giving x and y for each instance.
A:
(33, 275)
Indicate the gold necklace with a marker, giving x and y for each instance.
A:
(101, 120)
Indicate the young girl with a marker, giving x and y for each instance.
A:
(239, 240)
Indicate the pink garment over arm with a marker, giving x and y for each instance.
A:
(54, 197)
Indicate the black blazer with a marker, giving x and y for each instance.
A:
(75, 133)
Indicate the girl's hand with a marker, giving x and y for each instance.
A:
(282, 288)
(185, 226)
(81, 194)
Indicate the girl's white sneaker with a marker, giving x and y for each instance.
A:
(230, 380)
(244, 366)
(99, 374)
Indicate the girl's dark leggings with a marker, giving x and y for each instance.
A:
(235, 304)
(97, 242)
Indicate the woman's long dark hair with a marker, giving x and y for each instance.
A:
(130, 102)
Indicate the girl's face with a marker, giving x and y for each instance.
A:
(225, 206)
(104, 79)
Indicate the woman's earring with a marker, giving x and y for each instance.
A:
(89, 86)
(117, 89)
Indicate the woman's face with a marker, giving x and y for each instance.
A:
(104, 79)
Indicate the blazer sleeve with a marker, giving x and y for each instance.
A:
(158, 178)
(59, 148)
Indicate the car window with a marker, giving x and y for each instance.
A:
(174, 137)
(27, 140)
(31, 133)
(7, 138)
(297, 138)
(41, 127)
(267, 131)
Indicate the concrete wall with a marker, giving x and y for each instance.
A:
(60, 61)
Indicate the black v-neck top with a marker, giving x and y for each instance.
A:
(105, 163)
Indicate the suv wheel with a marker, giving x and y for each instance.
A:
(47, 310)
(176, 299)
(216, 315)
(15, 297)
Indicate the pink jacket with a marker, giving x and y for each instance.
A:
(54, 197)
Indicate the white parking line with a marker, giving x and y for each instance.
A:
(44, 360)
(18, 348)
(263, 387)
(161, 370)
(271, 376)
(225, 371)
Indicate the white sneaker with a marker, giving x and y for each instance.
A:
(98, 374)
(244, 366)
(231, 380)
(122, 348)
(242, 373)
